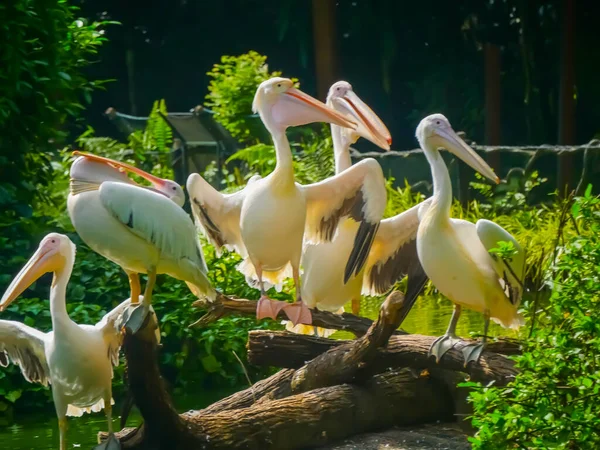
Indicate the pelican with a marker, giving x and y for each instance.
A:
(144, 230)
(267, 220)
(323, 283)
(76, 360)
(455, 254)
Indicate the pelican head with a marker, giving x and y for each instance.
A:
(96, 168)
(435, 132)
(52, 255)
(342, 98)
(281, 105)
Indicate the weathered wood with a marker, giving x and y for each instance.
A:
(224, 305)
(340, 364)
(308, 406)
(319, 416)
(290, 350)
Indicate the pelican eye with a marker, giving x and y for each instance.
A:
(174, 188)
(437, 122)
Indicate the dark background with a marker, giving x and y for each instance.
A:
(405, 59)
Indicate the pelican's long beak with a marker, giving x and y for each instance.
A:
(370, 126)
(45, 259)
(294, 108)
(449, 140)
(123, 167)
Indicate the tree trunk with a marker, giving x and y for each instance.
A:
(345, 388)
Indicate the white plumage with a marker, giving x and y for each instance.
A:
(275, 213)
(144, 230)
(455, 253)
(75, 360)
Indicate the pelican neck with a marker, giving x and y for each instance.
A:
(285, 162)
(442, 186)
(341, 149)
(58, 292)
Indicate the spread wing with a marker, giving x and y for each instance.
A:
(511, 271)
(394, 253)
(154, 218)
(217, 214)
(110, 326)
(24, 346)
(358, 193)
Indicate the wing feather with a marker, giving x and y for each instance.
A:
(394, 251)
(217, 215)
(358, 193)
(154, 218)
(24, 346)
(511, 272)
(110, 325)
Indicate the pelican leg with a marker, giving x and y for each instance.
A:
(266, 307)
(111, 443)
(444, 343)
(356, 306)
(138, 315)
(298, 312)
(62, 430)
(134, 286)
(472, 352)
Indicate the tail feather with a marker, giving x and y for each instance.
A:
(270, 278)
(76, 411)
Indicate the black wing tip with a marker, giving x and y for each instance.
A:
(360, 251)
(414, 287)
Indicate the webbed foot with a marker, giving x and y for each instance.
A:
(298, 313)
(112, 443)
(472, 352)
(268, 308)
(441, 346)
(135, 317)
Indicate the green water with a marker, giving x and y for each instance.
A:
(430, 315)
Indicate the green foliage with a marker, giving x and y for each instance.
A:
(188, 355)
(231, 92)
(553, 401)
(312, 154)
(45, 48)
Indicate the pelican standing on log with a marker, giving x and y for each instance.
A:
(76, 360)
(144, 230)
(271, 216)
(455, 254)
(323, 283)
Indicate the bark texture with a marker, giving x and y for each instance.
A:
(329, 390)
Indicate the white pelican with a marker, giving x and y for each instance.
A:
(455, 253)
(76, 360)
(144, 230)
(269, 218)
(323, 284)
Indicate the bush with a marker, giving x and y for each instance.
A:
(44, 50)
(231, 92)
(554, 400)
(188, 355)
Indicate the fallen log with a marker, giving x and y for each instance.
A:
(289, 350)
(338, 393)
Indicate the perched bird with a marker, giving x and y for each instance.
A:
(142, 229)
(455, 254)
(267, 221)
(76, 360)
(323, 284)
